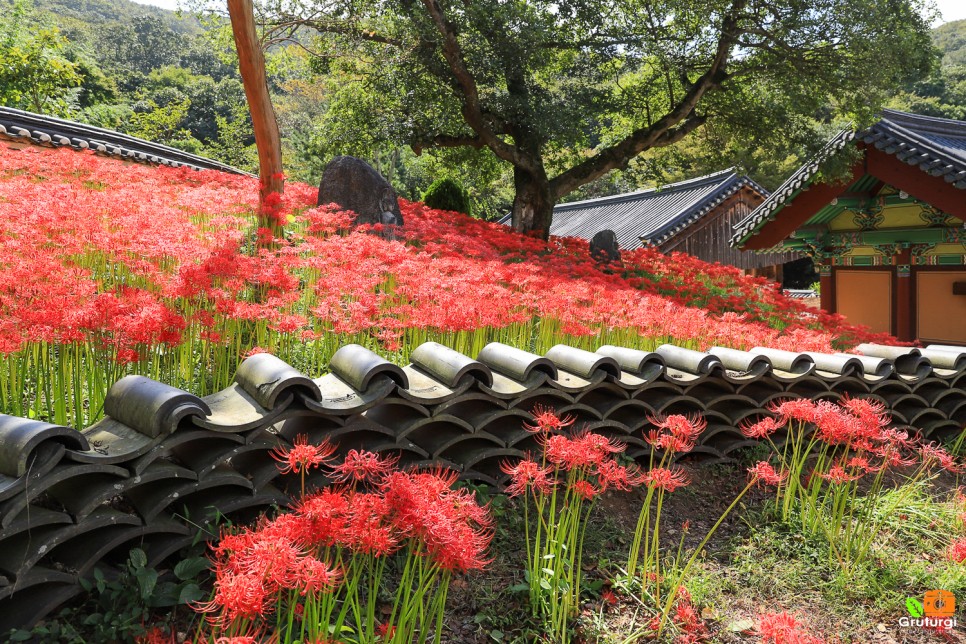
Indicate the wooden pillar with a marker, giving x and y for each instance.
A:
(827, 287)
(903, 302)
(903, 299)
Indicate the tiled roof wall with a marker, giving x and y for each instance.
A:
(656, 214)
(49, 131)
(72, 500)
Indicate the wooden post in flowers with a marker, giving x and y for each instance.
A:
(251, 63)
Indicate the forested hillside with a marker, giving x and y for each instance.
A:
(111, 14)
(943, 93)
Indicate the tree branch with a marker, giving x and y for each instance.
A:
(449, 141)
(290, 24)
(660, 132)
(471, 108)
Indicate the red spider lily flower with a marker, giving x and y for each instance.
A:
(688, 619)
(782, 628)
(264, 236)
(837, 475)
(666, 479)
(957, 550)
(862, 464)
(546, 420)
(764, 473)
(608, 597)
(454, 530)
(762, 429)
(836, 428)
(314, 576)
(870, 411)
(800, 409)
(363, 467)
(668, 442)
(676, 433)
(526, 474)
(236, 639)
(584, 490)
(385, 631)
(237, 596)
(588, 450)
(268, 556)
(932, 454)
(961, 502)
(559, 450)
(156, 635)
(302, 456)
(897, 437)
(680, 426)
(584, 451)
(326, 515)
(893, 456)
(610, 474)
(369, 528)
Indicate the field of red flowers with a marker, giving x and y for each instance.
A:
(111, 267)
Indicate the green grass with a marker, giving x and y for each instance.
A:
(761, 565)
(774, 567)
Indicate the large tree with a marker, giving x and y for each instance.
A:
(566, 91)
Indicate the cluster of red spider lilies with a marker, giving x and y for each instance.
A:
(112, 267)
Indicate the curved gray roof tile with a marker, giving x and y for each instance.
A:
(51, 131)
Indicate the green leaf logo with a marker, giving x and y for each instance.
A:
(915, 607)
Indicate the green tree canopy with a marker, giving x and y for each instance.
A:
(567, 91)
(35, 71)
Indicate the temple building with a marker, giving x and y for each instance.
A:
(694, 216)
(889, 239)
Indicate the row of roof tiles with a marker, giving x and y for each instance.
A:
(139, 410)
(38, 129)
(650, 216)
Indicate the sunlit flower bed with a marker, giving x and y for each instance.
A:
(112, 267)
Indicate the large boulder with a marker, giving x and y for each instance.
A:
(603, 247)
(355, 185)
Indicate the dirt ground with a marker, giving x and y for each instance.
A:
(482, 610)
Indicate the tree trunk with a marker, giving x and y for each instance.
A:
(251, 63)
(533, 203)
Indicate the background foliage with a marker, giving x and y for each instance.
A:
(171, 77)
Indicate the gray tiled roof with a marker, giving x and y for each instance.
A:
(655, 215)
(933, 145)
(39, 129)
(69, 498)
